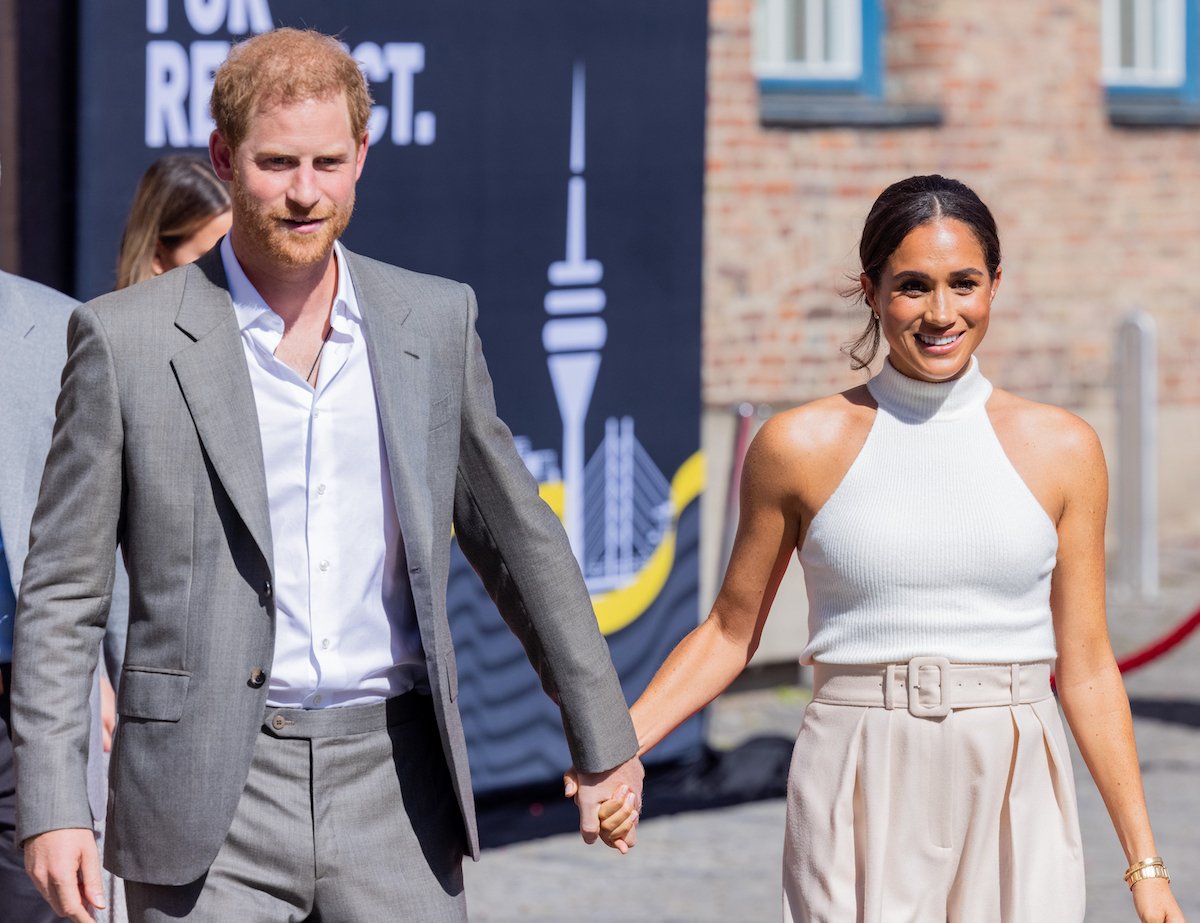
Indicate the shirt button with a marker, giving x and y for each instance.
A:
(324, 644)
(316, 413)
(316, 700)
(324, 565)
(321, 489)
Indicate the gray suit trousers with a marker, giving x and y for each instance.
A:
(348, 816)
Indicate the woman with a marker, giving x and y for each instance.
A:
(952, 539)
(180, 211)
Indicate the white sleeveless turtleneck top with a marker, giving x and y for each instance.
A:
(932, 544)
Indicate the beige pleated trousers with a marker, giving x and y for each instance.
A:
(897, 815)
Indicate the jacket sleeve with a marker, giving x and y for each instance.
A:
(520, 551)
(67, 587)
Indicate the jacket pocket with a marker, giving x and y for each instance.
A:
(441, 411)
(157, 695)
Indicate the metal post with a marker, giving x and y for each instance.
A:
(1137, 455)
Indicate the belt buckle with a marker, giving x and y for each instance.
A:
(916, 707)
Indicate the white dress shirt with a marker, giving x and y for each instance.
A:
(345, 629)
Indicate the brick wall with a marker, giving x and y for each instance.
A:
(1093, 219)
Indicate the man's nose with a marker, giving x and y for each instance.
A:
(304, 191)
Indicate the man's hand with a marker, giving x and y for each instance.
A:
(65, 867)
(591, 789)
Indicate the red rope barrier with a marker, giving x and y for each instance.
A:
(1157, 648)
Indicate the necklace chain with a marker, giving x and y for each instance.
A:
(317, 358)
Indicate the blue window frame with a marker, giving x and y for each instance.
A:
(1151, 52)
(819, 46)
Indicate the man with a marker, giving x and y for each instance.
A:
(281, 437)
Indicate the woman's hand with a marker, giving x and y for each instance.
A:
(108, 712)
(618, 818)
(1152, 898)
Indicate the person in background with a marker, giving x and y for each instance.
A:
(179, 212)
(33, 339)
(952, 540)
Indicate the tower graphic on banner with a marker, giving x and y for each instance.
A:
(616, 506)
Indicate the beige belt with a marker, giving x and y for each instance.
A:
(931, 687)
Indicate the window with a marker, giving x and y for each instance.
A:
(819, 63)
(822, 45)
(1144, 43)
(1150, 53)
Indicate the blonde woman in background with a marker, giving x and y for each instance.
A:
(179, 213)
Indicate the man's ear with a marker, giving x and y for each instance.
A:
(221, 155)
(360, 155)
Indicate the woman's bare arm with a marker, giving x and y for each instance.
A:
(1089, 685)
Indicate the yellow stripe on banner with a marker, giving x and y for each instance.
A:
(617, 609)
(555, 495)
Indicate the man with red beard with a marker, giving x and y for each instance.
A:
(280, 438)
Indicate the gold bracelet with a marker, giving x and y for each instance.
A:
(1143, 863)
(1146, 868)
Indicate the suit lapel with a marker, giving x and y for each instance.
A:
(399, 355)
(215, 382)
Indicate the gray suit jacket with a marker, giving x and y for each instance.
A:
(33, 348)
(157, 444)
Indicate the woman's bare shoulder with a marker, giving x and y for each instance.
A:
(820, 425)
(810, 446)
(1052, 433)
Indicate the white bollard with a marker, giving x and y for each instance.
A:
(1137, 456)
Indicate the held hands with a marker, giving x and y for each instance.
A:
(618, 819)
(65, 867)
(608, 803)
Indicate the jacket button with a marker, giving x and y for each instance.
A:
(267, 589)
(257, 678)
(278, 722)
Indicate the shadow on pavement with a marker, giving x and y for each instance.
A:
(755, 771)
(1172, 711)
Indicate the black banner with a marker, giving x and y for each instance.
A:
(549, 153)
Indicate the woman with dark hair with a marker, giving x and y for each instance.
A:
(179, 212)
(952, 540)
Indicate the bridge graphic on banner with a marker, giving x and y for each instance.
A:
(619, 510)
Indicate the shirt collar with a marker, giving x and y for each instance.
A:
(252, 310)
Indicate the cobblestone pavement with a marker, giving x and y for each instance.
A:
(723, 866)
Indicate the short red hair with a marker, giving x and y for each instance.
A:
(285, 66)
